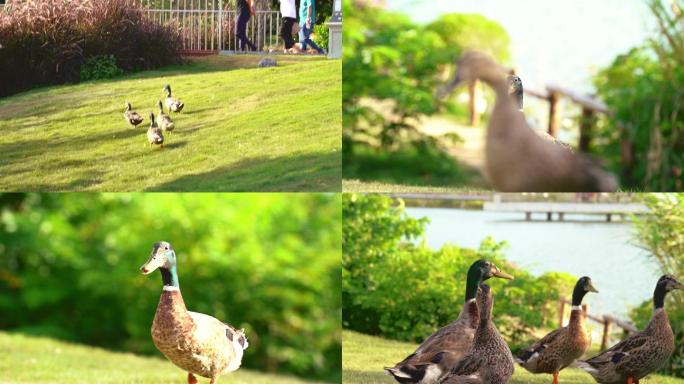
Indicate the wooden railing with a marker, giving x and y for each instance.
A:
(606, 320)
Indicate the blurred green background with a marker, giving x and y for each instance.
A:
(269, 263)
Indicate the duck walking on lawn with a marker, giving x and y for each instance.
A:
(131, 116)
(563, 346)
(173, 105)
(165, 121)
(437, 354)
(640, 354)
(195, 342)
(154, 133)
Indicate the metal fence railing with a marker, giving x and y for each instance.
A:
(206, 25)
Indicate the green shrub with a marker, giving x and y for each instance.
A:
(396, 286)
(100, 67)
(69, 268)
(321, 34)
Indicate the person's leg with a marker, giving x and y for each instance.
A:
(307, 33)
(286, 32)
(302, 39)
(241, 30)
(247, 41)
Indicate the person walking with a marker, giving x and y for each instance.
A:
(289, 12)
(245, 9)
(307, 19)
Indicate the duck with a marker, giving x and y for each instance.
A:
(516, 159)
(173, 105)
(515, 90)
(165, 121)
(489, 361)
(642, 353)
(441, 349)
(561, 347)
(154, 133)
(196, 343)
(131, 116)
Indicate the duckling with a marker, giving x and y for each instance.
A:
(194, 342)
(563, 346)
(516, 159)
(173, 105)
(131, 116)
(154, 133)
(642, 353)
(440, 351)
(490, 360)
(515, 90)
(165, 121)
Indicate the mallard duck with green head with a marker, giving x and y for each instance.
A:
(133, 118)
(195, 342)
(563, 346)
(172, 104)
(443, 348)
(489, 361)
(642, 353)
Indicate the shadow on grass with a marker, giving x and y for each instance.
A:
(318, 172)
(409, 166)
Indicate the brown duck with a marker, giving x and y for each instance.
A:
(563, 346)
(516, 158)
(633, 358)
(442, 349)
(195, 342)
(489, 361)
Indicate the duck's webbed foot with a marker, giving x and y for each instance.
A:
(213, 381)
(192, 379)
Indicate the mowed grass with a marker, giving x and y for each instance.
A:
(355, 185)
(243, 129)
(25, 360)
(363, 359)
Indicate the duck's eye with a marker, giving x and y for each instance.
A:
(166, 248)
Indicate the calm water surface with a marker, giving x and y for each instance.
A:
(583, 245)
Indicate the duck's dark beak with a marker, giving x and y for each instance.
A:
(449, 88)
(590, 288)
(499, 273)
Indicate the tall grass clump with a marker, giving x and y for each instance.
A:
(46, 42)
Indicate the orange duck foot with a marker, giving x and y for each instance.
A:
(192, 379)
(555, 378)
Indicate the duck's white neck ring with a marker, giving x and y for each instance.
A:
(576, 307)
(171, 288)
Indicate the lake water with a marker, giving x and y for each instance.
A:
(582, 245)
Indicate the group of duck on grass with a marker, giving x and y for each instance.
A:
(155, 131)
(471, 350)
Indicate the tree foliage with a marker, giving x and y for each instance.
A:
(645, 137)
(69, 268)
(662, 234)
(396, 286)
(390, 59)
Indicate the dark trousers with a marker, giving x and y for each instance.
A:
(241, 32)
(286, 31)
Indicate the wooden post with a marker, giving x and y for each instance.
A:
(553, 113)
(586, 122)
(549, 216)
(528, 216)
(561, 216)
(609, 217)
(606, 333)
(472, 95)
(561, 313)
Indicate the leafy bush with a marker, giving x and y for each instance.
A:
(46, 42)
(394, 285)
(645, 137)
(662, 234)
(69, 268)
(321, 33)
(100, 67)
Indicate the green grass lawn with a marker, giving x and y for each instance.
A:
(354, 185)
(363, 358)
(26, 360)
(242, 129)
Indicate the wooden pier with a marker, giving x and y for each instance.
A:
(560, 209)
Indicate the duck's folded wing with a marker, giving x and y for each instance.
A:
(538, 348)
(616, 353)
